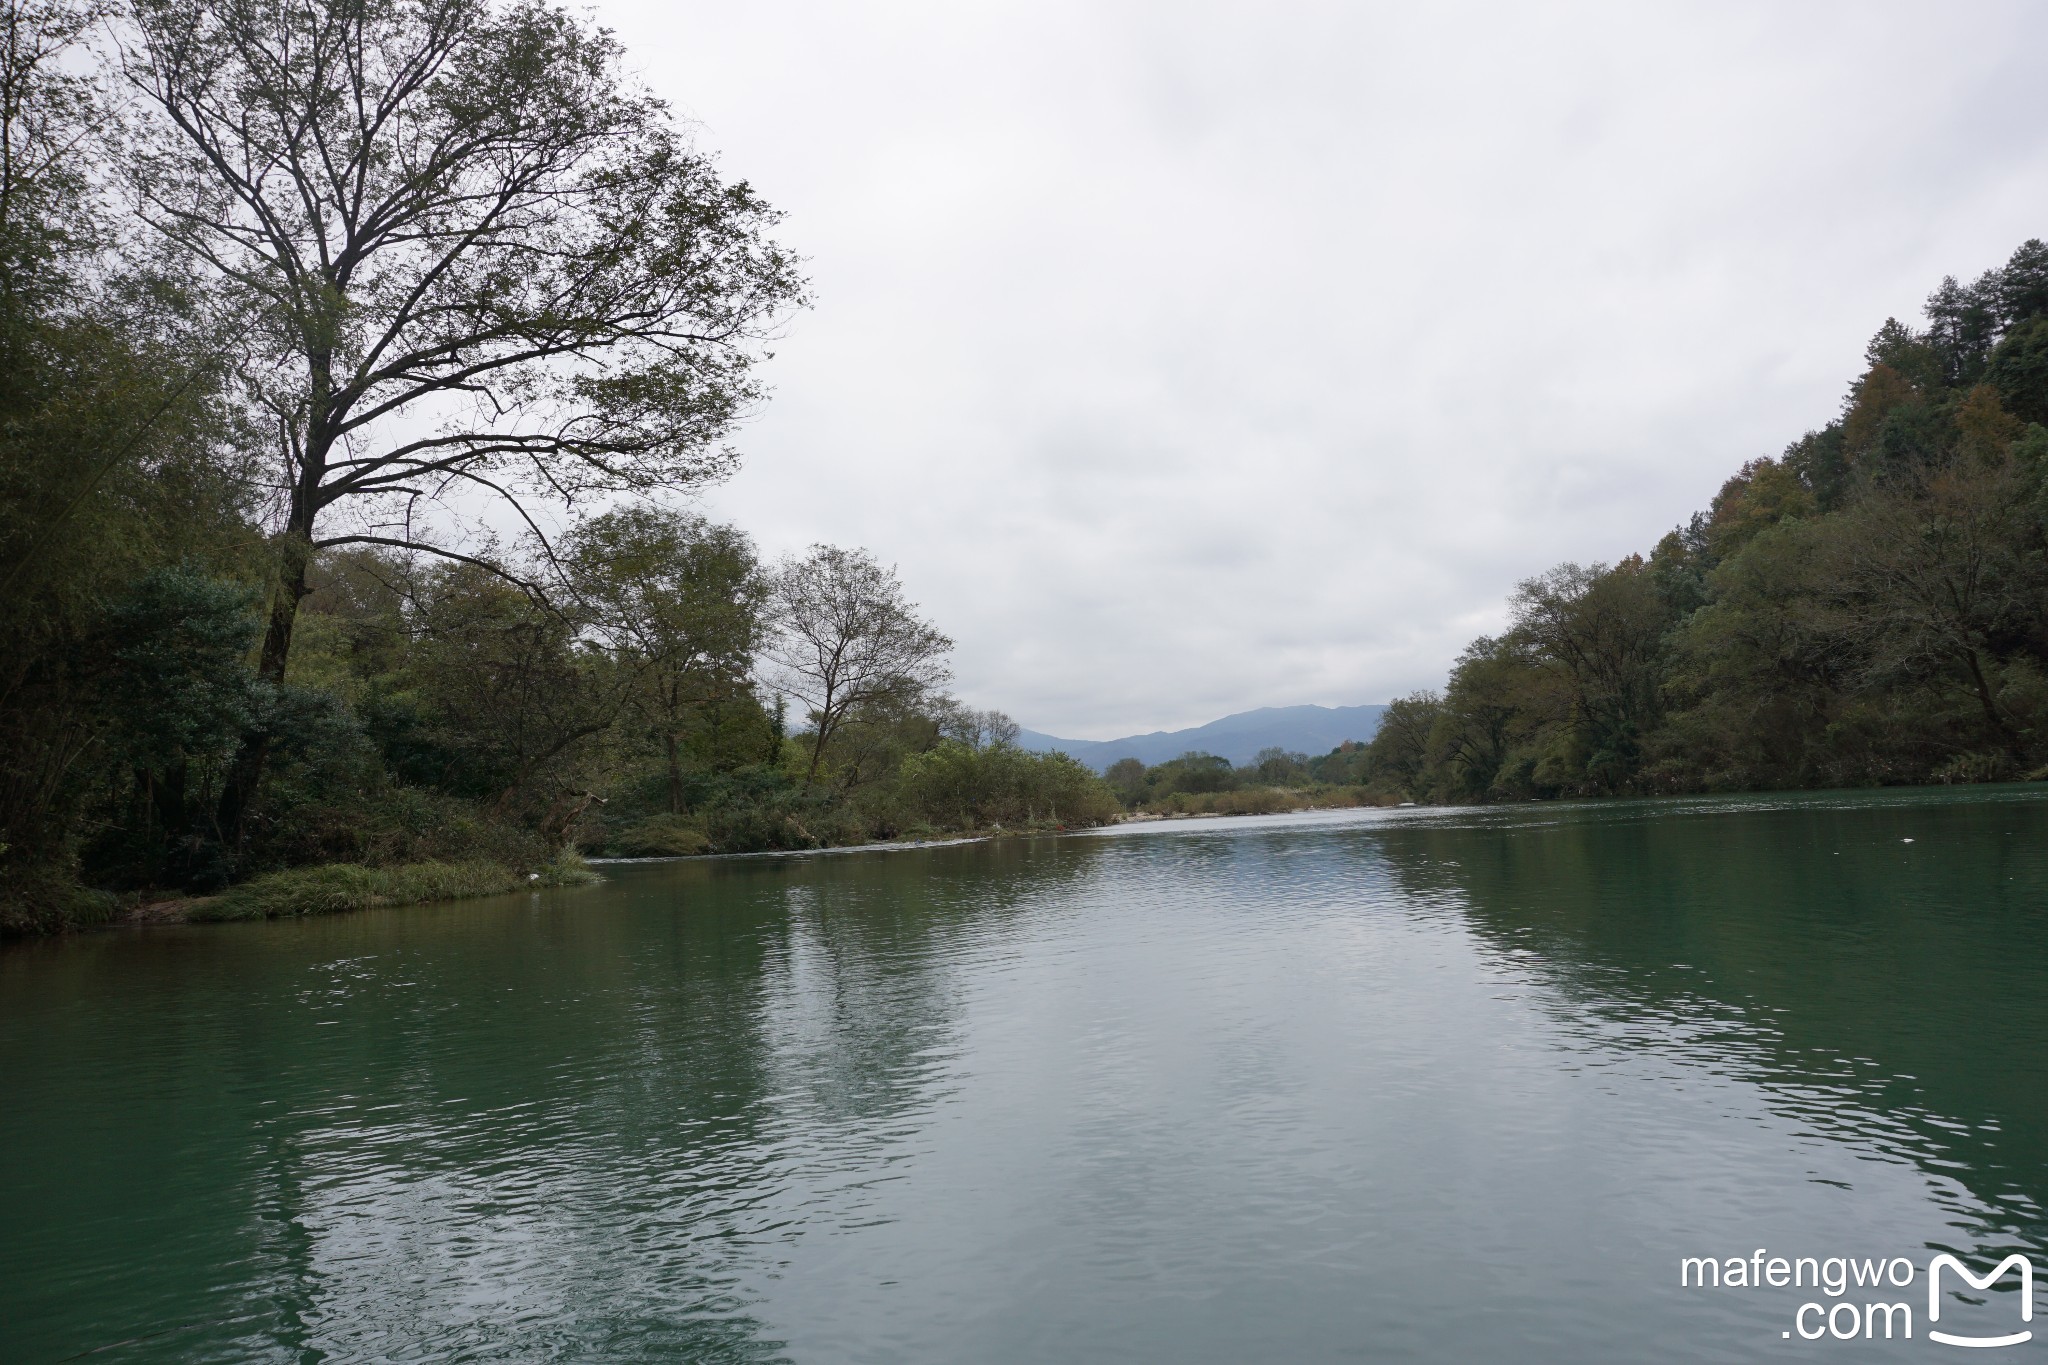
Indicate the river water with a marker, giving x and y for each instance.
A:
(1379, 1086)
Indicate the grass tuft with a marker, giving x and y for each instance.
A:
(35, 901)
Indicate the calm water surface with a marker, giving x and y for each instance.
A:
(1380, 1086)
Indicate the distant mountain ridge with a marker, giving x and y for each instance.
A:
(1309, 730)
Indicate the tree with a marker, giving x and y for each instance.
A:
(1280, 767)
(1126, 777)
(1604, 629)
(1484, 708)
(976, 729)
(2021, 287)
(1763, 493)
(678, 604)
(462, 252)
(1194, 772)
(1758, 673)
(845, 640)
(1943, 578)
(175, 691)
(114, 458)
(1962, 321)
(2019, 370)
(49, 112)
(1400, 748)
(513, 704)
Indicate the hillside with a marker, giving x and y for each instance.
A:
(1868, 608)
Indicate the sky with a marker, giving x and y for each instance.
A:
(1187, 358)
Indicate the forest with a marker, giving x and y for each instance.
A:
(1868, 608)
(360, 360)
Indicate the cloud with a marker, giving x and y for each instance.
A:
(1188, 358)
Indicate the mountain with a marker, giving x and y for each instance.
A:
(1308, 730)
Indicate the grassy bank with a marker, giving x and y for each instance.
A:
(32, 907)
(339, 887)
(36, 901)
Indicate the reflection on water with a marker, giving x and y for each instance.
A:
(1875, 965)
(1426, 1085)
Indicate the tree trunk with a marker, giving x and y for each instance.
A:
(563, 813)
(167, 802)
(1982, 686)
(817, 752)
(295, 554)
(675, 773)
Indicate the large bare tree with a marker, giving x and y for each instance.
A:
(464, 253)
(846, 640)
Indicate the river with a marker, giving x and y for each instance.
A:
(1416, 1085)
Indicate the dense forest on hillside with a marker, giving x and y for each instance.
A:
(1869, 607)
(295, 303)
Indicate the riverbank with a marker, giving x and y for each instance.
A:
(58, 907)
(873, 846)
(1263, 801)
(340, 888)
(327, 889)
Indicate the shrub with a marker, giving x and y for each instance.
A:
(963, 786)
(663, 836)
(40, 900)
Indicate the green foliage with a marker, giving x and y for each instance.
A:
(1126, 777)
(124, 510)
(677, 603)
(37, 899)
(2019, 370)
(962, 786)
(1347, 765)
(1402, 748)
(176, 640)
(1872, 607)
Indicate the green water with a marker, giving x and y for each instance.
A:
(1378, 1086)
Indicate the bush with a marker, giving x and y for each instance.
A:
(663, 836)
(965, 787)
(390, 825)
(790, 820)
(752, 809)
(1245, 801)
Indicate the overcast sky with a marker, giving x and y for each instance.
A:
(1189, 358)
